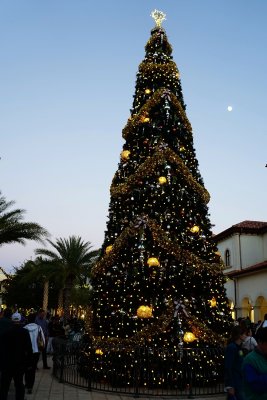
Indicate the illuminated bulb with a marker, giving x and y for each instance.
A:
(99, 351)
(147, 91)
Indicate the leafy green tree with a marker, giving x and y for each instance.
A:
(12, 227)
(72, 258)
(25, 288)
(81, 296)
(45, 271)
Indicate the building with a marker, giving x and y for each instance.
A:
(243, 248)
(3, 277)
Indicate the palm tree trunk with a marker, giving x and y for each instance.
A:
(66, 298)
(60, 303)
(45, 295)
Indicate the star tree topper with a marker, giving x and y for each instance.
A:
(158, 16)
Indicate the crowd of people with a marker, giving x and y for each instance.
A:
(246, 361)
(22, 341)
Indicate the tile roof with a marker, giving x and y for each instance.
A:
(255, 227)
(251, 224)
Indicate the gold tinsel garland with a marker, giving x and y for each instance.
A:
(150, 46)
(202, 332)
(149, 167)
(109, 258)
(148, 106)
(166, 69)
(172, 247)
(160, 237)
(160, 325)
(145, 335)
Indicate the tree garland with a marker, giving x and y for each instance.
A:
(167, 69)
(149, 167)
(200, 330)
(151, 43)
(144, 111)
(160, 237)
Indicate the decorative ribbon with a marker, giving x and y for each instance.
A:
(163, 146)
(166, 94)
(179, 306)
(140, 221)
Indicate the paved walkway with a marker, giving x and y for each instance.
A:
(47, 387)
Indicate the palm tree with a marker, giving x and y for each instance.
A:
(12, 227)
(43, 271)
(72, 259)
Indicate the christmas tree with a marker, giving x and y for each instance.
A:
(159, 279)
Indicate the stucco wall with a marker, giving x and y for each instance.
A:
(248, 293)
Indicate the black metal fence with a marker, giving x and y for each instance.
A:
(149, 371)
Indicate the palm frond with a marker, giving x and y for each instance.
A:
(12, 227)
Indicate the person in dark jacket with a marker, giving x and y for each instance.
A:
(55, 330)
(5, 321)
(233, 364)
(255, 369)
(16, 352)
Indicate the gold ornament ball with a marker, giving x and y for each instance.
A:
(194, 229)
(144, 117)
(162, 180)
(182, 148)
(213, 302)
(153, 262)
(147, 91)
(109, 249)
(144, 312)
(125, 154)
(189, 337)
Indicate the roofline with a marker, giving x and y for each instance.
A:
(241, 230)
(248, 271)
(4, 272)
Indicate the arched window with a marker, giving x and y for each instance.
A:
(227, 258)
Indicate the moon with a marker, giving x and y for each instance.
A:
(229, 108)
